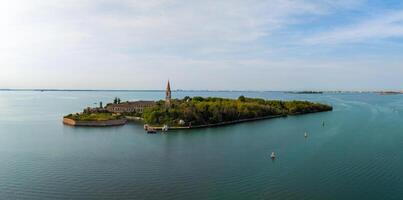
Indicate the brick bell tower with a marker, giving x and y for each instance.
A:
(168, 95)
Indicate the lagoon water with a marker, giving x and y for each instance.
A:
(357, 155)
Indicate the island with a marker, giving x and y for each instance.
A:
(190, 112)
(306, 92)
(198, 112)
(389, 92)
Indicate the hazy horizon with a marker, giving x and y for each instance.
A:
(188, 90)
(275, 45)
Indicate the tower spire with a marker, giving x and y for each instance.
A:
(168, 94)
(168, 86)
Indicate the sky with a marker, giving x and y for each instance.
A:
(202, 44)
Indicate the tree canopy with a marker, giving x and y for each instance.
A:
(94, 116)
(212, 110)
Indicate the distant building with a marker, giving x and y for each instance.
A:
(129, 107)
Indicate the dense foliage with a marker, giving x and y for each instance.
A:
(93, 116)
(202, 111)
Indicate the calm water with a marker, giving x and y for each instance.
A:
(357, 155)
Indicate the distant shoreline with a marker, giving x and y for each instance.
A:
(389, 93)
(307, 92)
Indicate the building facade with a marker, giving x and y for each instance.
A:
(130, 107)
(138, 106)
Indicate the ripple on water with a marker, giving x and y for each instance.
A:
(356, 156)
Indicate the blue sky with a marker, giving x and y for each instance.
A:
(209, 44)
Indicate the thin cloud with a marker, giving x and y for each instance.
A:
(118, 43)
(389, 25)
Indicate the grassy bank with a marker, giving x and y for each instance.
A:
(93, 116)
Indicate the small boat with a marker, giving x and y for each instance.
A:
(273, 156)
(323, 123)
(165, 128)
(306, 135)
(151, 131)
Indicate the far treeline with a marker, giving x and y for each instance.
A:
(203, 111)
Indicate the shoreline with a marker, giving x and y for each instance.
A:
(159, 128)
(121, 122)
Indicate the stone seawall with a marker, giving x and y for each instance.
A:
(72, 122)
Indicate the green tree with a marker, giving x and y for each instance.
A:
(241, 98)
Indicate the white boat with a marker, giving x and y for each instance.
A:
(165, 128)
(306, 134)
(273, 156)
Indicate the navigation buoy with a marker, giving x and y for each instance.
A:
(273, 156)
